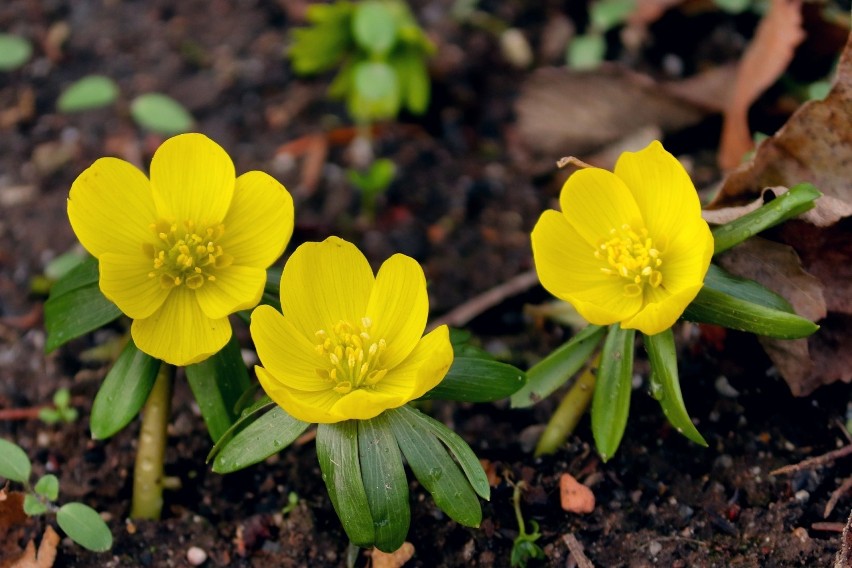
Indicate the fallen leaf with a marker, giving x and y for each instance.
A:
(815, 145)
(574, 496)
(769, 53)
(395, 559)
(46, 555)
(563, 112)
(778, 268)
(647, 12)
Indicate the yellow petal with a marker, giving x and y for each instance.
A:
(605, 303)
(288, 355)
(564, 261)
(124, 280)
(324, 283)
(663, 312)
(235, 288)
(594, 201)
(179, 333)
(663, 191)
(301, 405)
(363, 404)
(398, 307)
(687, 258)
(260, 221)
(423, 369)
(192, 178)
(111, 208)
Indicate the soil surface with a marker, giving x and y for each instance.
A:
(462, 204)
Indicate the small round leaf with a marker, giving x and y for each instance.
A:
(90, 92)
(160, 113)
(14, 463)
(374, 27)
(84, 526)
(14, 52)
(48, 486)
(33, 506)
(586, 52)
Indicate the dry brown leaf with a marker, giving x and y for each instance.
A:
(649, 11)
(46, 555)
(563, 112)
(395, 559)
(574, 496)
(815, 145)
(769, 53)
(778, 268)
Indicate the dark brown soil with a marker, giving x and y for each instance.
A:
(463, 205)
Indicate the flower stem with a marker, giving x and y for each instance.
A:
(148, 475)
(569, 411)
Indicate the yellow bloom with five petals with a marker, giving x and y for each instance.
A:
(350, 345)
(182, 250)
(629, 246)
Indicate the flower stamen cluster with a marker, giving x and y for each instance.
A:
(186, 255)
(353, 356)
(631, 254)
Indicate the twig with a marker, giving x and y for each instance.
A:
(836, 495)
(844, 555)
(572, 161)
(488, 299)
(815, 461)
(576, 550)
(828, 527)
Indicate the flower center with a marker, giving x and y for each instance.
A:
(353, 356)
(632, 255)
(185, 254)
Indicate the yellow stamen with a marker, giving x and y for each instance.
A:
(631, 254)
(180, 255)
(352, 359)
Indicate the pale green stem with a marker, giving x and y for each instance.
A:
(148, 476)
(569, 411)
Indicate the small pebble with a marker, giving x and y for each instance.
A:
(802, 496)
(196, 556)
(654, 548)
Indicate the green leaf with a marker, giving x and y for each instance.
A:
(477, 380)
(435, 469)
(48, 486)
(61, 265)
(160, 113)
(323, 45)
(84, 526)
(61, 398)
(665, 384)
(733, 6)
(414, 83)
(14, 51)
(458, 448)
(554, 370)
(384, 482)
(217, 383)
(14, 463)
(375, 93)
(90, 92)
(49, 415)
(606, 14)
(123, 392)
(586, 52)
(611, 401)
(248, 415)
(722, 281)
(796, 201)
(267, 435)
(374, 27)
(76, 306)
(720, 308)
(337, 452)
(33, 506)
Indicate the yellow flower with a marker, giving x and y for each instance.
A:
(629, 246)
(181, 251)
(349, 345)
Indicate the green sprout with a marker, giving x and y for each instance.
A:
(524, 547)
(80, 522)
(372, 183)
(62, 410)
(380, 53)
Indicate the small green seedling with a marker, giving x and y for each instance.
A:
(292, 503)
(80, 522)
(372, 183)
(62, 410)
(524, 547)
(380, 53)
(14, 52)
(587, 50)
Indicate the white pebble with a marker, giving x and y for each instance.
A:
(196, 556)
